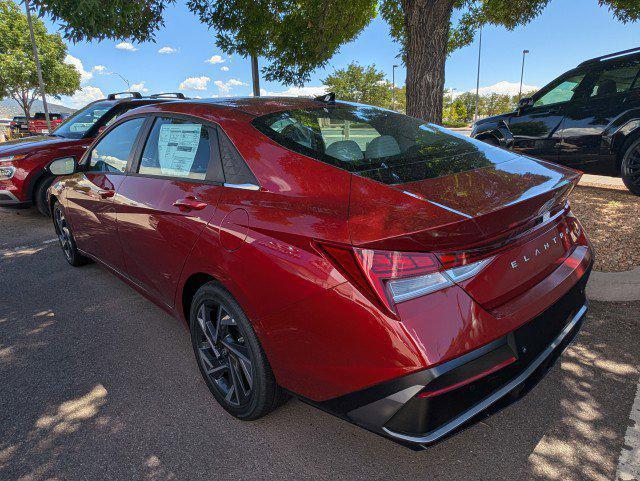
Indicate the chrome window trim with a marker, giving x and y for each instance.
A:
(242, 186)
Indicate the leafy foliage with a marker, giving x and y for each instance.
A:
(461, 108)
(99, 19)
(18, 75)
(356, 83)
(295, 37)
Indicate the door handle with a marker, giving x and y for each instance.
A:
(189, 203)
(106, 194)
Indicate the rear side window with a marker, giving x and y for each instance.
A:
(380, 144)
(236, 171)
(616, 79)
(176, 148)
(112, 153)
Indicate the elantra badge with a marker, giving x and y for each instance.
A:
(541, 248)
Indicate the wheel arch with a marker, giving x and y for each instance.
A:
(189, 288)
(500, 133)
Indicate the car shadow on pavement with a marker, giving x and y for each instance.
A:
(98, 383)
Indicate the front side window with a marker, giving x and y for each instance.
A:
(176, 148)
(79, 124)
(111, 154)
(563, 92)
(372, 142)
(615, 79)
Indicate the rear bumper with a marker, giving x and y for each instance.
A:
(423, 408)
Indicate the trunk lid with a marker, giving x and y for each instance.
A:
(513, 211)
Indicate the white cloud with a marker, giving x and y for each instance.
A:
(85, 75)
(195, 83)
(100, 69)
(139, 87)
(312, 91)
(168, 50)
(215, 59)
(82, 97)
(226, 86)
(224, 68)
(128, 46)
(503, 87)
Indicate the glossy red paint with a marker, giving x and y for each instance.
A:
(40, 152)
(323, 335)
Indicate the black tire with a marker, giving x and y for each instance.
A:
(630, 167)
(491, 140)
(40, 196)
(65, 236)
(230, 357)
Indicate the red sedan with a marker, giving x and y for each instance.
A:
(386, 270)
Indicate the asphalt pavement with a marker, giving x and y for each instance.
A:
(98, 383)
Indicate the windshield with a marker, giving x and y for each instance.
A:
(79, 123)
(380, 144)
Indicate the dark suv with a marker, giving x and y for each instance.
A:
(588, 118)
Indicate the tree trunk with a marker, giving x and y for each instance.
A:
(427, 30)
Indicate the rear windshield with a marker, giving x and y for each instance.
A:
(380, 144)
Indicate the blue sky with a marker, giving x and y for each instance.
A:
(567, 32)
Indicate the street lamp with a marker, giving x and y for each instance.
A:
(524, 52)
(475, 115)
(124, 80)
(393, 87)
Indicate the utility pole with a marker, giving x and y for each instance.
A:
(38, 68)
(475, 115)
(393, 87)
(255, 74)
(524, 52)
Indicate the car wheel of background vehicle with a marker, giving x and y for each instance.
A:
(65, 236)
(230, 356)
(40, 195)
(630, 167)
(491, 140)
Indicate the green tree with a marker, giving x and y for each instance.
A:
(360, 84)
(18, 76)
(298, 37)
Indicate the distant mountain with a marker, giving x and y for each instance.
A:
(9, 108)
(502, 88)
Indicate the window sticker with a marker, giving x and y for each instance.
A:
(177, 147)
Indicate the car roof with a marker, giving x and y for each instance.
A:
(238, 108)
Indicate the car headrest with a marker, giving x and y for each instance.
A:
(383, 146)
(607, 87)
(347, 150)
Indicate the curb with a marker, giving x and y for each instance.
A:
(614, 286)
(602, 182)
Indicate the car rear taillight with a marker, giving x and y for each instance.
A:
(396, 277)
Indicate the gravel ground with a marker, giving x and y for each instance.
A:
(97, 383)
(612, 220)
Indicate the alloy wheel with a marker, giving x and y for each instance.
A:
(226, 359)
(64, 234)
(631, 168)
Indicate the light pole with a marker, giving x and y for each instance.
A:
(524, 52)
(393, 87)
(38, 68)
(124, 80)
(475, 115)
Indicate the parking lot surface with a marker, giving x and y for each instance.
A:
(98, 383)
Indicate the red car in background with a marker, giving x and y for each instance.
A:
(38, 123)
(24, 173)
(402, 277)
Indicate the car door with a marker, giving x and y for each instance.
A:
(589, 116)
(90, 201)
(166, 201)
(535, 128)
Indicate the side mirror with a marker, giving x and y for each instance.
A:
(525, 103)
(64, 166)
